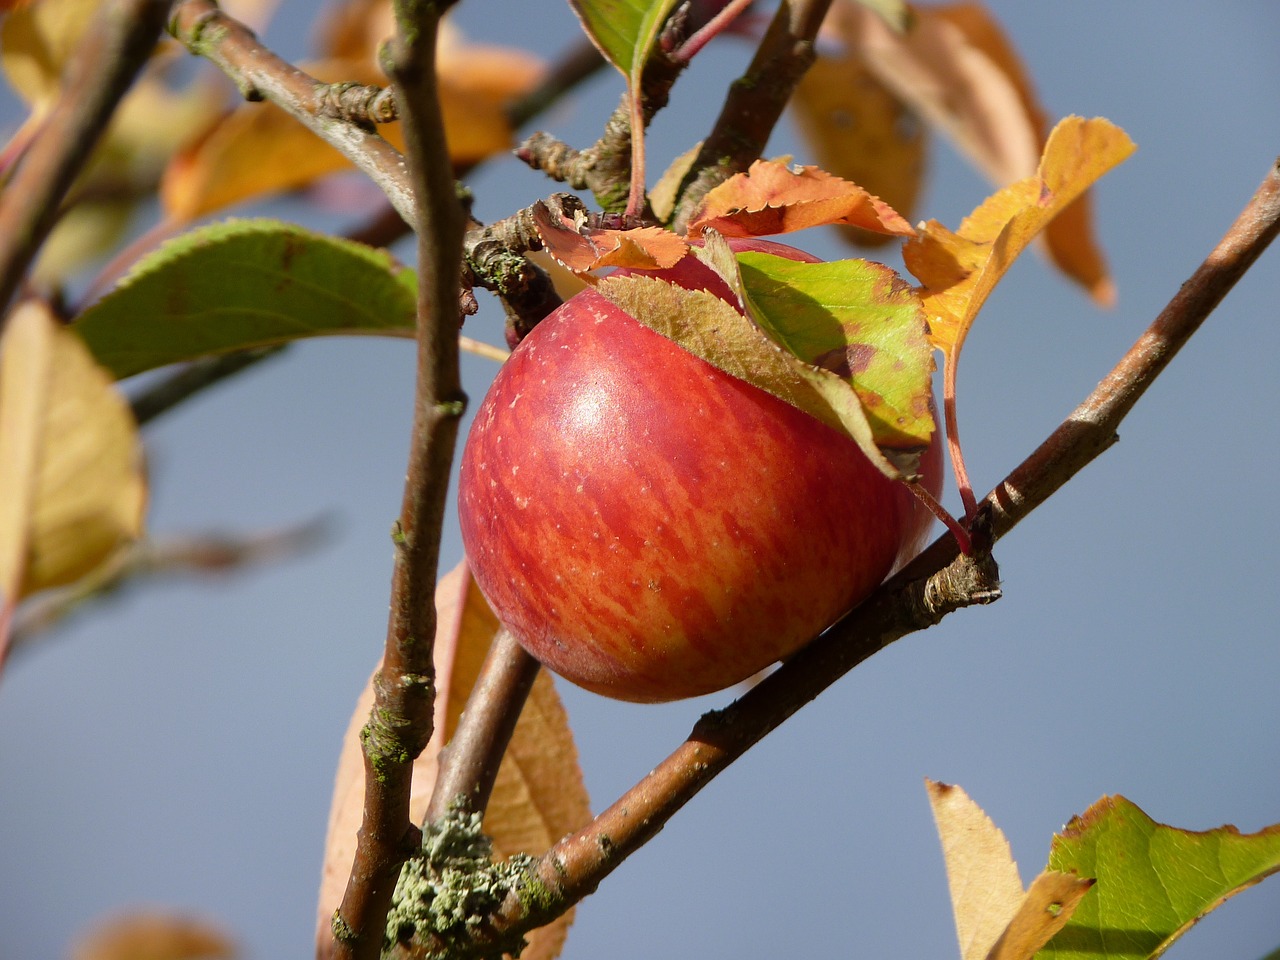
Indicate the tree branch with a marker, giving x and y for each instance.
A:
(469, 763)
(754, 103)
(261, 75)
(112, 52)
(935, 583)
(400, 722)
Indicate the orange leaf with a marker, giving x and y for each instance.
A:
(862, 131)
(152, 936)
(538, 796)
(773, 198)
(581, 248)
(958, 271)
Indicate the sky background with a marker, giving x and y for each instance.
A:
(176, 747)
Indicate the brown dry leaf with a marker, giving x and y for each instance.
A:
(72, 487)
(995, 919)
(152, 935)
(539, 795)
(772, 198)
(986, 890)
(861, 130)
(581, 249)
(1050, 901)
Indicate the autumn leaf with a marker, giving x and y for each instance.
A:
(72, 487)
(538, 796)
(995, 918)
(861, 131)
(957, 271)
(581, 248)
(772, 198)
(151, 935)
(955, 67)
(1155, 881)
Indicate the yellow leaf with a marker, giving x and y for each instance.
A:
(862, 131)
(152, 936)
(71, 469)
(985, 887)
(37, 41)
(959, 270)
(539, 795)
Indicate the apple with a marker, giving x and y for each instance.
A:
(652, 528)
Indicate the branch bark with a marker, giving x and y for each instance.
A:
(935, 583)
(400, 723)
(105, 64)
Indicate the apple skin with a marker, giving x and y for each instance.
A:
(651, 528)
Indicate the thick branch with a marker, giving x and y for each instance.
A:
(103, 67)
(261, 75)
(400, 723)
(755, 102)
(935, 583)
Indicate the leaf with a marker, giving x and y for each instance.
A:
(958, 271)
(772, 198)
(986, 890)
(37, 41)
(1154, 881)
(624, 30)
(241, 284)
(1050, 903)
(581, 248)
(72, 488)
(861, 321)
(995, 919)
(862, 131)
(729, 339)
(539, 795)
(152, 936)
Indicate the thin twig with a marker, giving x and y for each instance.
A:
(261, 75)
(469, 763)
(400, 722)
(112, 52)
(755, 102)
(936, 582)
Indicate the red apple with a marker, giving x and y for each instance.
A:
(652, 528)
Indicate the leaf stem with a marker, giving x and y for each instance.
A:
(967, 497)
(101, 70)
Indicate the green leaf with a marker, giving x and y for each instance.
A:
(242, 284)
(861, 321)
(1154, 881)
(624, 30)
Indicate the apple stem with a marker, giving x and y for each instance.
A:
(953, 438)
(958, 529)
(636, 197)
